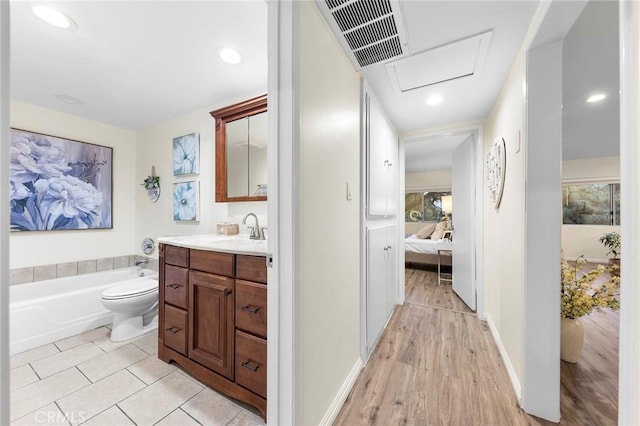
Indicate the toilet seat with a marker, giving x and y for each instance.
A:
(129, 290)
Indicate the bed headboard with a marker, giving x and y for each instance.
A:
(413, 227)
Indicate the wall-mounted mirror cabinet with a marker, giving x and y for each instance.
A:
(241, 151)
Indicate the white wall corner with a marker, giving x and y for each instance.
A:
(343, 393)
(505, 358)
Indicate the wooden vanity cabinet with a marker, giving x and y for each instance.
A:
(213, 319)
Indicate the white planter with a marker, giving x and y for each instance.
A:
(571, 339)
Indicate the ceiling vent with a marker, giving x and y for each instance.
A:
(372, 29)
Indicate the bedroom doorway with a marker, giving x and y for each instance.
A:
(436, 163)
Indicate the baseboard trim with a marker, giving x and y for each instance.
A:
(505, 358)
(343, 393)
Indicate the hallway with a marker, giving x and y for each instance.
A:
(436, 364)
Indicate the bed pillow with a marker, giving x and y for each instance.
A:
(438, 233)
(426, 231)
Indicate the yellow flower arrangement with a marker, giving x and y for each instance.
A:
(579, 296)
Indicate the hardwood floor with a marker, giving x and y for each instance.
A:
(437, 364)
(589, 388)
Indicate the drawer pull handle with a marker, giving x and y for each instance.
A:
(173, 330)
(174, 286)
(249, 308)
(253, 366)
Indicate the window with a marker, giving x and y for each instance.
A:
(591, 204)
(424, 206)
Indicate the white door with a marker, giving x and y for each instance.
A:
(376, 283)
(463, 191)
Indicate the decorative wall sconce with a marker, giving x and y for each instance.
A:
(152, 185)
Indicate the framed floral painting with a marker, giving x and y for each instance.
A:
(58, 183)
(185, 201)
(186, 154)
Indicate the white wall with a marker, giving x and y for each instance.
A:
(155, 148)
(504, 228)
(583, 239)
(433, 179)
(328, 308)
(47, 247)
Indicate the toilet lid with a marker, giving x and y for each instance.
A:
(130, 289)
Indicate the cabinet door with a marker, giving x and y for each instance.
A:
(377, 159)
(381, 163)
(376, 292)
(391, 264)
(211, 322)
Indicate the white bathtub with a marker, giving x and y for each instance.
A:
(46, 311)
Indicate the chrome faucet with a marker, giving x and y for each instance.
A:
(139, 264)
(255, 234)
(142, 262)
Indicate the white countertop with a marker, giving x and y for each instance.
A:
(238, 244)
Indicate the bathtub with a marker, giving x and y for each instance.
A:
(46, 311)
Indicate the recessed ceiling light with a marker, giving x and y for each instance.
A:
(230, 56)
(53, 17)
(68, 99)
(596, 97)
(434, 100)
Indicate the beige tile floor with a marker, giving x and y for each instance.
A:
(89, 380)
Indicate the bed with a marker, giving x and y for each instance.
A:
(420, 251)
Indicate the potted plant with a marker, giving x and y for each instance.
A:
(152, 185)
(611, 240)
(580, 297)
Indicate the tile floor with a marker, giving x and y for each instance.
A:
(89, 380)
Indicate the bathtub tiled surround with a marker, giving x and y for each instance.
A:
(49, 272)
(89, 380)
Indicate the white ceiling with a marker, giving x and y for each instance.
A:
(430, 24)
(136, 63)
(591, 64)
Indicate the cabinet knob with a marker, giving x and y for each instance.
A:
(174, 286)
(173, 330)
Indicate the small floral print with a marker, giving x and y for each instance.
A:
(185, 154)
(185, 201)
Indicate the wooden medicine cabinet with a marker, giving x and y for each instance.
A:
(241, 151)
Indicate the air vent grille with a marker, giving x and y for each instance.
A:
(379, 52)
(373, 33)
(335, 3)
(369, 27)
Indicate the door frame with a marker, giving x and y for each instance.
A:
(477, 132)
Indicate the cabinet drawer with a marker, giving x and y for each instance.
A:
(251, 307)
(251, 363)
(178, 256)
(175, 328)
(176, 283)
(252, 268)
(213, 262)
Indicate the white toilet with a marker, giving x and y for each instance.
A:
(135, 307)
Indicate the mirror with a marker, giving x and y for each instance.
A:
(241, 151)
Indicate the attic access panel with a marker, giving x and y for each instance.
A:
(454, 60)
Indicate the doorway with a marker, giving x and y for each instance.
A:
(449, 161)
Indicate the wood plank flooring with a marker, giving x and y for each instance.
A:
(437, 364)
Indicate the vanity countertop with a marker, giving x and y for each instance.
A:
(237, 244)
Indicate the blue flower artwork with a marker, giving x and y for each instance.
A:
(185, 201)
(186, 154)
(58, 184)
